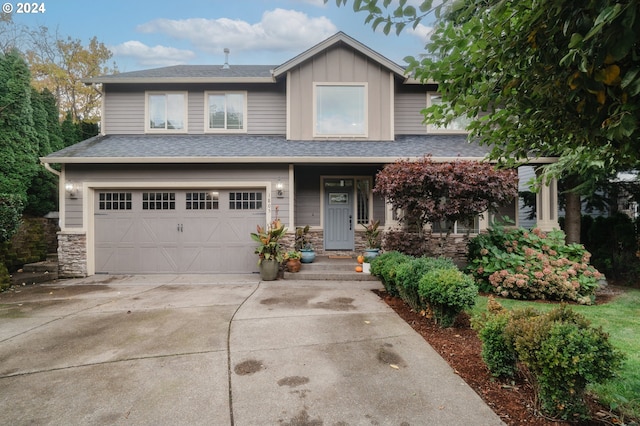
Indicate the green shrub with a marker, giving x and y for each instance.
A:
(408, 276)
(522, 264)
(447, 292)
(11, 206)
(384, 267)
(560, 348)
(497, 351)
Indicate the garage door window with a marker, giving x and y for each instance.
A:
(202, 201)
(245, 200)
(158, 201)
(114, 201)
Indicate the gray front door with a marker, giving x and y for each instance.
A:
(338, 218)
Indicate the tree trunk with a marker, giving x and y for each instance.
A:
(573, 212)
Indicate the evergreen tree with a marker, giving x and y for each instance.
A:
(18, 138)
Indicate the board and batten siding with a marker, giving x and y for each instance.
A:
(340, 65)
(124, 108)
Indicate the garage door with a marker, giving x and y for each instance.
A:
(177, 231)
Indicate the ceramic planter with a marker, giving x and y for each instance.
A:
(269, 270)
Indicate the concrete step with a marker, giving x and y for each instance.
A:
(333, 269)
(41, 267)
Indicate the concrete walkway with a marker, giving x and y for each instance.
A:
(220, 350)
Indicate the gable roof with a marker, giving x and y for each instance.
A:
(337, 39)
(241, 73)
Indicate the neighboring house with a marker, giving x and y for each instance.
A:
(191, 158)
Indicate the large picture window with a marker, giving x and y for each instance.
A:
(340, 110)
(166, 112)
(457, 125)
(226, 112)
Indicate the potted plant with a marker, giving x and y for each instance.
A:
(303, 244)
(269, 251)
(372, 239)
(292, 257)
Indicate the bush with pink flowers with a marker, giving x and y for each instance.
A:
(522, 264)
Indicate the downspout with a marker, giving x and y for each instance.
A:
(51, 169)
(61, 200)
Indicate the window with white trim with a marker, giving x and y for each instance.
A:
(457, 125)
(166, 112)
(340, 110)
(457, 227)
(226, 112)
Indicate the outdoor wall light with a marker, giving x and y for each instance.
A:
(280, 189)
(71, 189)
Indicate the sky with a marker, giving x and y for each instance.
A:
(146, 34)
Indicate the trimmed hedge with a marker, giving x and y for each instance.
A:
(447, 292)
(384, 267)
(426, 283)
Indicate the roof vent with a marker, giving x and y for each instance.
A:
(226, 59)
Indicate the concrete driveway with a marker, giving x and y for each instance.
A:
(220, 350)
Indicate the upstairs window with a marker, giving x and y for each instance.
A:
(457, 125)
(226, 112)
(340, 110)
(166, 112)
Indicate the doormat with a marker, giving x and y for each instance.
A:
(337, 256)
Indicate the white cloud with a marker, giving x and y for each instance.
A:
(422, 32)
(278, 30)
(152, 56)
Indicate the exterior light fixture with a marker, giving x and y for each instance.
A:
(279, 189)
(71, 189)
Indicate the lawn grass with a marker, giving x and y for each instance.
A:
(621, 319)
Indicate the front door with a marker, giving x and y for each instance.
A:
(338, 214)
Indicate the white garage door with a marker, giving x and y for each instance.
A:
(177, 231)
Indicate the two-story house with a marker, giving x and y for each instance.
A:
(191, 158)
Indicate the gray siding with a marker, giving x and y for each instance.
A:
(124, 107)
(408, 118)
(307, 201)
(74, 211)
(124, 113)
(267, 111)
(147, 174)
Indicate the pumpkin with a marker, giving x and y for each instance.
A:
(360, 259)
(358, 268)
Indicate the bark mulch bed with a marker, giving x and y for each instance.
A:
(460, 346)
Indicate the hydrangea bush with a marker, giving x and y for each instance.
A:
(522, 264)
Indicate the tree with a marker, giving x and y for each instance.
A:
(430, 192)
(539, 77)
(18, 138)
(60, 65)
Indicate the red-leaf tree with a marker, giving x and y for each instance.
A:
(428, 191)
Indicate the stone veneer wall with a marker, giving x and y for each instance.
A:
(72, 255)
(455, 246)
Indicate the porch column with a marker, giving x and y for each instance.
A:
(547, 206)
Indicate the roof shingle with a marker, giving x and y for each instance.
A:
(253, 148)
